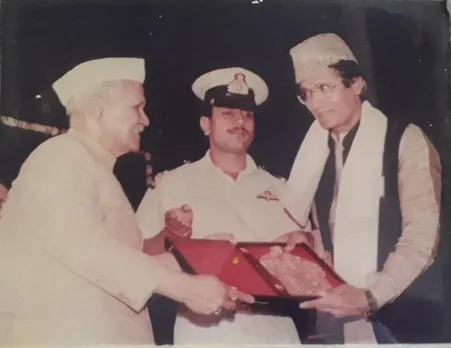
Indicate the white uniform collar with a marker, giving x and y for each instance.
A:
(250, 165)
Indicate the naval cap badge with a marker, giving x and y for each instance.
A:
(238, 85)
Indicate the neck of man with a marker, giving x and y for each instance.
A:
(350, 122)
(110, 146)
(230, 163)
(95, 134)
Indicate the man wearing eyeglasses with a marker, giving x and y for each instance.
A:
(373, 185)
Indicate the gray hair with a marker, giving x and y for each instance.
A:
(80, 102)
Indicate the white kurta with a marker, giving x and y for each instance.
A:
(221, 204)
(71, 266)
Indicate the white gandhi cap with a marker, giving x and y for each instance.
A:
(321, 50)
(94, 72)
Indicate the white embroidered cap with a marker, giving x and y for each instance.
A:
(231, 87)
(323, 50)
(93, 72)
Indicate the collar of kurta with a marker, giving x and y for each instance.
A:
(346, 140)
(251, 167)
(103, 156)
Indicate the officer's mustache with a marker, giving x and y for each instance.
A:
(238, 129)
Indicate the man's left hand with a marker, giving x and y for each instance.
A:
(343, 301)
(296, 237)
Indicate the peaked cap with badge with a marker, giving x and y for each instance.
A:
(319, 51)
(234, 87)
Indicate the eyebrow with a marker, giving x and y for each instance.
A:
(320, 82)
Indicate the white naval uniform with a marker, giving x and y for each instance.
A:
(221, 204)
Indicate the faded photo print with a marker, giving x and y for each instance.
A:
(252, 172)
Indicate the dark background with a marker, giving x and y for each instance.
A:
(402, 45)
(402, 48)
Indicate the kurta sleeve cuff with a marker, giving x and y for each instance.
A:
(142, 286)
(383, 290)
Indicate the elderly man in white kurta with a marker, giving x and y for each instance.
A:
(219, 195)
(375, 184)
(72, 268)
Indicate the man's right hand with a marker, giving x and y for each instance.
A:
(203, 294)
(208, 295)
(179, 221)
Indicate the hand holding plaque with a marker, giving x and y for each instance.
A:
(296, 237)
(263, 270)
(342, 301)
(206, 294)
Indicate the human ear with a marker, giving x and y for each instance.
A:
(96, 107)
(358, 85)
(205, 125)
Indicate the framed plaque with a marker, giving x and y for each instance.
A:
(263, 270)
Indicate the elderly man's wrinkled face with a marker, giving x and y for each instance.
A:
(230, 130)
(124, 117)
(331, 103)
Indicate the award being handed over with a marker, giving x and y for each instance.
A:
(263, 270)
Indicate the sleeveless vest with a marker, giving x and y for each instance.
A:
(416, 315)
